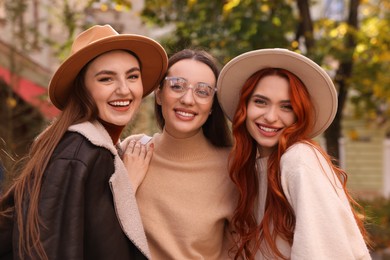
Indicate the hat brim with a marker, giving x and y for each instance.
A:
(151, 54)
(319, 85)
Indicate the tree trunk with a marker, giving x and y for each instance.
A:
(305, 26)
(333, 133)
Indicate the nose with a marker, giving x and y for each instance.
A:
(188, 97)
(123, 88)
(271, 115)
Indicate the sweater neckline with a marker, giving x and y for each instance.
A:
(113, 130)
(182, 149)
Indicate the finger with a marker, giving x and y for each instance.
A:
(142, 151)
(130, 146)
(149, 153)
(137, 148)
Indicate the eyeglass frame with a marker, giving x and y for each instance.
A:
(188, 86)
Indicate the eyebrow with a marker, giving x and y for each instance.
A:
(110, 72)
(266, 98)
(186, 80)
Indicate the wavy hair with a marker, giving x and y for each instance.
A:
(243, 172)
(215, 129)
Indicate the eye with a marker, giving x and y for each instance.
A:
(287, 107)
(203, 90)
(259, 101)
(105, 79)
(177, 87)
(134, 76)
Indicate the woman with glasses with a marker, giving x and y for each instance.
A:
(186, 197)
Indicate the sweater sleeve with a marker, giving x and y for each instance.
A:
(325, 226)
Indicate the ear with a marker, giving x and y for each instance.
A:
(157, 92)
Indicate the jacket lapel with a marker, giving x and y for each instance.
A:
(121, 188)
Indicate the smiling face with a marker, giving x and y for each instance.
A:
(269, 112)
(184, 116)
(114, 81)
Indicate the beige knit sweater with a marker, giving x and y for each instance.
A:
(325, 228)
(187, 199)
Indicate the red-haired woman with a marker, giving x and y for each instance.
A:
(293, 203)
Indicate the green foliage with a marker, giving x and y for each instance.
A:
(226, 28)
(378, 221)
(372, 63)
(230, 27)
(370, 80)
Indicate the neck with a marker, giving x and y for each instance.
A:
(113, 130)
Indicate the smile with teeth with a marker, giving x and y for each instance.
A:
(185, 114)
(268, 129)
(120, 103)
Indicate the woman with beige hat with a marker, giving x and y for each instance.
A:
(293, 203)
(62, 205)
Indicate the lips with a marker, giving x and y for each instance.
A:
(119, 103)
(185, 114)
(268, 129)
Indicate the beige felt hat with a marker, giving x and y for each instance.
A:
(319, 84)
(98, 40)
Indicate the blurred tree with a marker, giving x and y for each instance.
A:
(226, 28)
(20, 121)
(353, 46)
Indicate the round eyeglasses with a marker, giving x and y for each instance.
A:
(202, 92)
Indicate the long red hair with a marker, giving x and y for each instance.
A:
(244, 174)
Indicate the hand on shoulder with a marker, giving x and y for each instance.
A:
(136, 158)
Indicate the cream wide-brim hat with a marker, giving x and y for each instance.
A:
(98, 40)
(320, 86)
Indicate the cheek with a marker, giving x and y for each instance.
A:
(207, 108)
(251, 127)
(289, 119)
(252, 112)
(138, 91)
(164, 100)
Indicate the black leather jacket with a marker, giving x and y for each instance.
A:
(76, 206)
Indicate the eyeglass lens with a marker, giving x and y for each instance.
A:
(202, 92)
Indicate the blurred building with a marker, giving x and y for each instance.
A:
(31, 32)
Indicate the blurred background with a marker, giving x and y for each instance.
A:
(349, 39)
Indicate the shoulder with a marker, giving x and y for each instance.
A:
(305, 163)
(301, 153)
(223, 151)
(137, 137)
(75, 157)
(75, 146)
(303, 158)
(134, 137)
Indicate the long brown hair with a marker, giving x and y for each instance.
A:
(215, 129)
(80, 108)
(243, 172)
